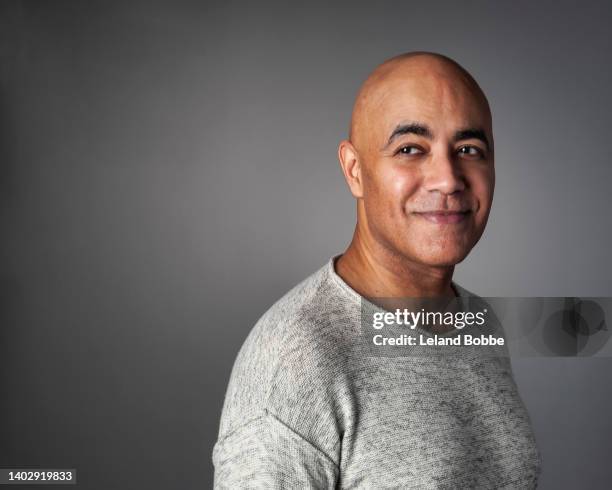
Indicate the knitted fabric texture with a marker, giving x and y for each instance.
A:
(305, 409)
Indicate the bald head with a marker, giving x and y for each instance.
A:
(419, 160)
(419, 76)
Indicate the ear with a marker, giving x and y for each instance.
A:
(351, 167)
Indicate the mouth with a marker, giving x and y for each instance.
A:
(444, 217)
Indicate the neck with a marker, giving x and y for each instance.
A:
(374, 271)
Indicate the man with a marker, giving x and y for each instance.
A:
(304, 407)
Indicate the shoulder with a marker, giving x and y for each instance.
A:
(292, 358)
(301, 315)
(464, 293)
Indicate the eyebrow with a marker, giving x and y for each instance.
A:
(411, 128)
(423, 130)
(472, 133)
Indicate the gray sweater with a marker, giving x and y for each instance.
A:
(306, 409)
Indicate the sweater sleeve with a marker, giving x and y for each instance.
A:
(266, 453)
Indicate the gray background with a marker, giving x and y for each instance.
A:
(168, 170)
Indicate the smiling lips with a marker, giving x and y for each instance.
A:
(444, 217)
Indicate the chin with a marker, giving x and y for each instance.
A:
(443, 258)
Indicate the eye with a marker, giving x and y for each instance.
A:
(409, 150)
(471, 151)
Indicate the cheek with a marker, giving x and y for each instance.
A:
(397, 184)
(482, 183)
(386, 193)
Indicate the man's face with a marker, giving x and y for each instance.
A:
(427, 169)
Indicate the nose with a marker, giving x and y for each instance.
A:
(444, 175)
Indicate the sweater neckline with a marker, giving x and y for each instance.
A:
(462, 294)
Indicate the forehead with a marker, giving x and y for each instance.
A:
(444, 102)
